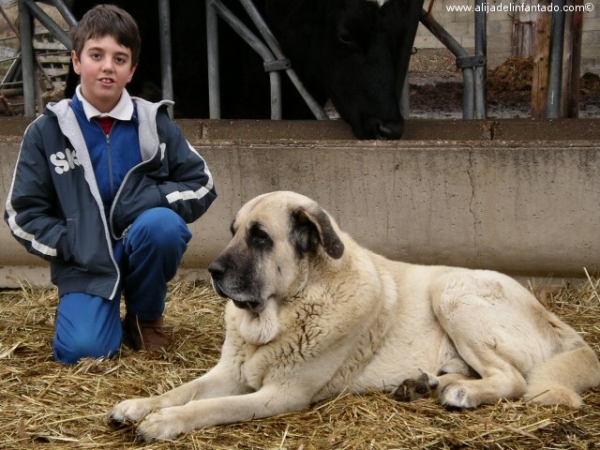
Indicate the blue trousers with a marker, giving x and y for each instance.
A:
(90, 326)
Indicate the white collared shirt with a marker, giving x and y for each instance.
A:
(123, 110)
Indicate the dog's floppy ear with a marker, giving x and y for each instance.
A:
(313, 228)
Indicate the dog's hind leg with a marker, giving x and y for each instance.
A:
(499, 379)
(503, 333)
(489, 334)
(562, 377)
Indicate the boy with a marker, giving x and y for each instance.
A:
(103, 188)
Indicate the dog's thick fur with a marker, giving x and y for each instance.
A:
(312, 314)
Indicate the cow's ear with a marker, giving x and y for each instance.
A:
(311, 229)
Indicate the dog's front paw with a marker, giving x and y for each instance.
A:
(161, 425)
(130, 410)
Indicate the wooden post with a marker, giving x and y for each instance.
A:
(572, 105)
(539, 82)
(567, 64)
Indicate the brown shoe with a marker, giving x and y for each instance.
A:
(144, 335)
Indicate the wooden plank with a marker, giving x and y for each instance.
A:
(54, 59)
(56, 71)
(522, 44)
(45, 41)
(49, 46)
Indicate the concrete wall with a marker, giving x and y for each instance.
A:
(500, 28)
(518, 196)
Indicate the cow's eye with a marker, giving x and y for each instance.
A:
(345, 38)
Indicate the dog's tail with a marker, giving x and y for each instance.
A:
(560, 379)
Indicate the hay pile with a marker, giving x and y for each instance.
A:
(514, 74)
(59, 407)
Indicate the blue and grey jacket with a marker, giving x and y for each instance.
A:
(54, 207)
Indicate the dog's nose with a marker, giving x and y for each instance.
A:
(216, 269)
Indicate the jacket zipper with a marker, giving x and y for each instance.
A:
(108, 224)
(109, 157)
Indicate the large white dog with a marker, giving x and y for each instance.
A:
(312, 313)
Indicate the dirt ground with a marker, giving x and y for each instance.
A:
(436, 88)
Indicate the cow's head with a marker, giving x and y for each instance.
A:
(358, 57)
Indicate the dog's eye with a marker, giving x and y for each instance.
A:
(259, 238)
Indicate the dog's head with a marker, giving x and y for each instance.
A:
(277, 237)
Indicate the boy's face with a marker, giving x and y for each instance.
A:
(105, 68)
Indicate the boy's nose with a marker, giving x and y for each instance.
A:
(107, 65)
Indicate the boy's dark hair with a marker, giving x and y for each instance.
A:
(107, 20)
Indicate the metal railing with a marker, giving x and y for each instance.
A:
(270, 51)
(473, 66)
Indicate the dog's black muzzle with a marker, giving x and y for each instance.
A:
(218, 271)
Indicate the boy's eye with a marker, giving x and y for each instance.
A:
(96, 56)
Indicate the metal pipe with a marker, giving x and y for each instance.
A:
(164, 23)
(241, 29)
(263, 29)
(47, 21)
(468, 93)
(480, 54)
(557, 31)
(65, 12)
(273, 44)
(459, 52)
(212, 47)
(405, 98)
(259, 47)
(276, 100)
(27, 62)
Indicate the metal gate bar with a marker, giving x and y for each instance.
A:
(473, 67)
(557, 31)
(255, 43)
(273, 58)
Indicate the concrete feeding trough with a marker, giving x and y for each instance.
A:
(519, 196)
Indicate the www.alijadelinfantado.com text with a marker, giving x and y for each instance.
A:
(519, 7)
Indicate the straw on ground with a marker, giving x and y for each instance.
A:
(62, 407)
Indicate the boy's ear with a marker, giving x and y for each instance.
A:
(132, 72)
(76, 62)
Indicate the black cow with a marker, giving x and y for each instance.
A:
(354, 52)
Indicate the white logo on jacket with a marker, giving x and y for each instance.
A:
(64, 162)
